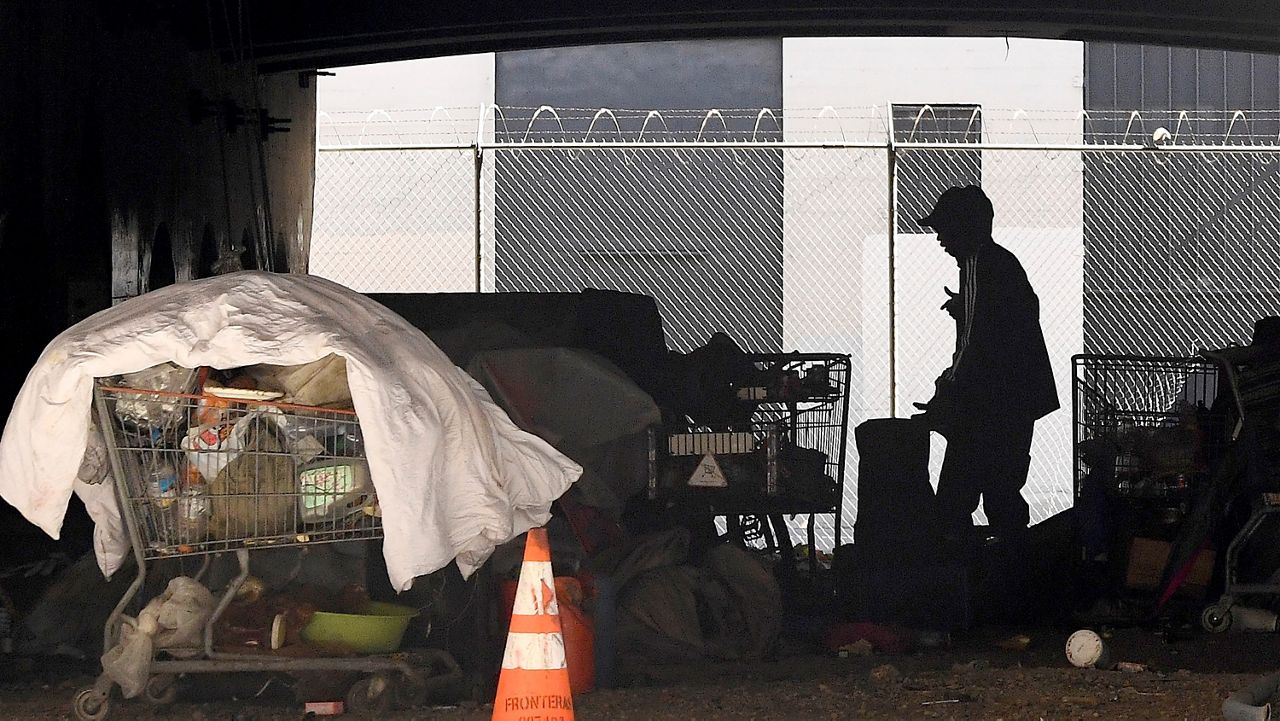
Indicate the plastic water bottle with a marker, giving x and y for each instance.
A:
(192, 519)
(162, 484)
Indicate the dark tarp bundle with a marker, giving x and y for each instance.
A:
(726, 607)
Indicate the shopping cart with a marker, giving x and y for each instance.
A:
(197, 476)
(1141, 426)
(786, 459)
(1144, 438)
(1254, 383)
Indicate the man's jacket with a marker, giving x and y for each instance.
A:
(1001, 368)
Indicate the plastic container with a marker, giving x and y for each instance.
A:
(379, 630)
(575, 627)
(192, 518)
(333, 489)
(1086, 649)
(162, 484)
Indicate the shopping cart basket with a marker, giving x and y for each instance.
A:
(199, 475)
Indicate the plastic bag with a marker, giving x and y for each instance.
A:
(155, 410)
(321, 383)
(174, 620)
(210, 448)
(94, 466)
(298, 433)
(128, 663)
(181, 616)
(257, 492)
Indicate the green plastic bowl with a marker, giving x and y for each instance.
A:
(379, 630)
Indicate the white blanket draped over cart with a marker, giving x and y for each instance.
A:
(454, 476)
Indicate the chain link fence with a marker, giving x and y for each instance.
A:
(389, 220)
(814, 247)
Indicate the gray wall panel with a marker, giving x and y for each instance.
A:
(1155, 77)
(1239, 80)
(1182, 77)
(1202, 232)
(697, 230)
(1210, 80)
(1128, 71)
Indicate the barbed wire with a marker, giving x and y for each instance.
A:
(463, 125)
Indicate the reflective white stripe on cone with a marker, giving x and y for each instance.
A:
(536, 592)
(534, 652)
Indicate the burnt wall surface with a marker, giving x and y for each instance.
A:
(114, 178)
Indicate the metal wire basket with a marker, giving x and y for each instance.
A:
(1143, 425)
(201, 474)
(790, 453)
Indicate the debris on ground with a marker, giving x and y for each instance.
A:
(1016, 642)
(886, 674)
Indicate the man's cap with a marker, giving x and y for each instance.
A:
(959, 205)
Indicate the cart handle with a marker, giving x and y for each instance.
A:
(197, 397)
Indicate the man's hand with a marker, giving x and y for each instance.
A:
(952, 305)
(929, 419)
(939, 414)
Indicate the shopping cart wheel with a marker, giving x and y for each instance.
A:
(1216, 618)
(161, 689)
(90, 704)
(409, 691)
(370, 696)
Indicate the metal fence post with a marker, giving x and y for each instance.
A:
(892, 153)
(478, 189)
(479, 168)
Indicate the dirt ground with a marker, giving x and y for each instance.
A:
(1189, 674)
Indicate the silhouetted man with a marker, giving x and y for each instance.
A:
(1000, 380)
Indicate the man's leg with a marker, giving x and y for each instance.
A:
(1007, 554)
(959, 488)
(1008, 457)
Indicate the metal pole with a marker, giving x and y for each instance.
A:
(105, 419)
(479, 168)
(893, 290)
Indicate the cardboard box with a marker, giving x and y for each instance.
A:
(1147, 558)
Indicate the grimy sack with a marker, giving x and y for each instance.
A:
(255, 495)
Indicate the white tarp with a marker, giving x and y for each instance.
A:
(454, 475)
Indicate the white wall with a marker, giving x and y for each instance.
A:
(1030, 92)
(435, 100)
(400, 220)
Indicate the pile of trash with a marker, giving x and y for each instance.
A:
(452, 474)
(252, 453)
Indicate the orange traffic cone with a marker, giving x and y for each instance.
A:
(534, 684)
